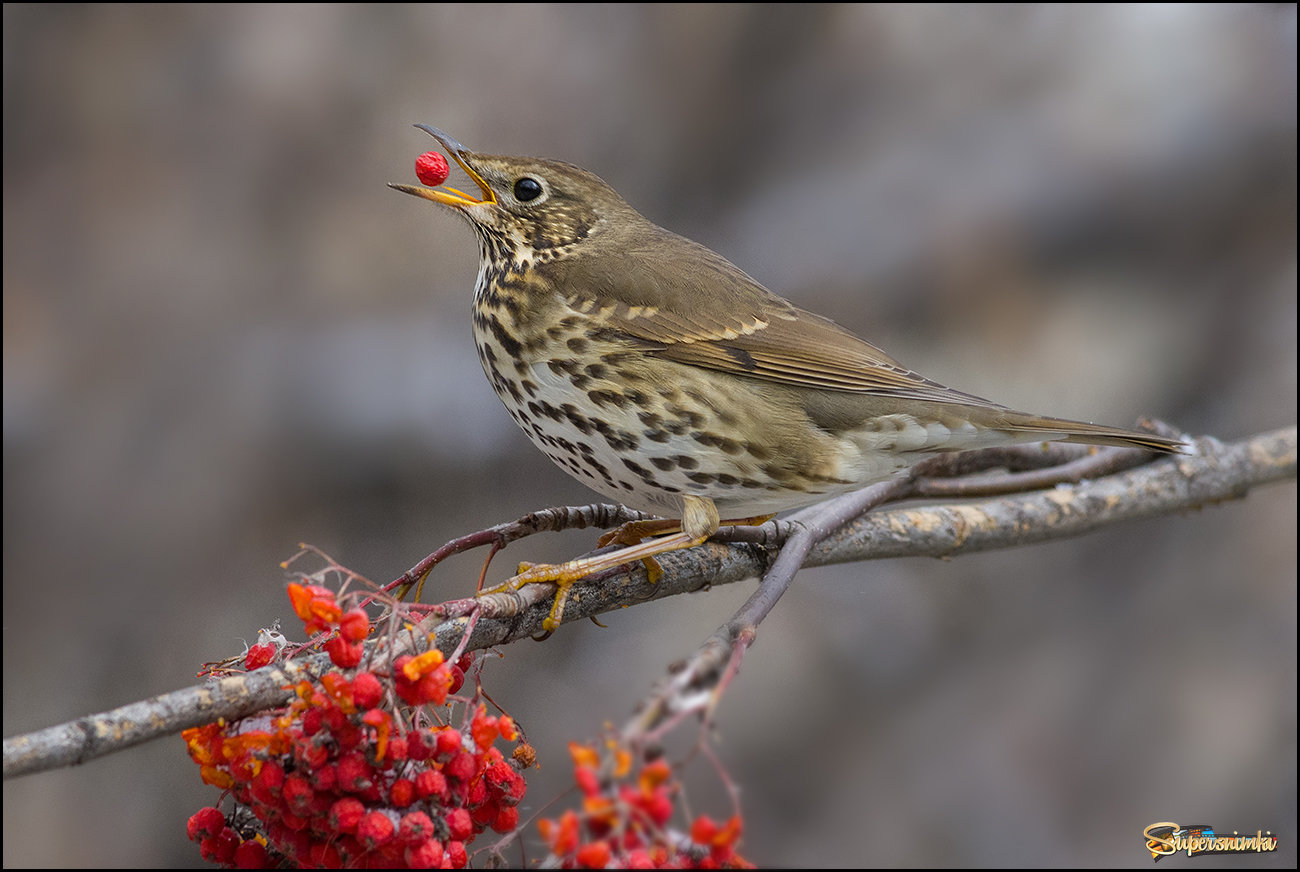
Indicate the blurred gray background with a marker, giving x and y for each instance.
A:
(223, 335)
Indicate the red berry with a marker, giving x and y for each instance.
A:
(367, 690)
(477, 795)
(345, 814)
(324, 777)
(209, 847)
(259, 655)
(429, 783)
(416, 749)
(251, 855)
(297, 793)
(659, 807)
(255, 792)
(312, 721)
(312, 755)
(375, 829)
(354, 772)
(343, 653)
(587, 779)
(484, 814)
(335, 719)
(459, 825)
(703, 830)
(271, 777)
(507, 820)
(416, 827)
(221, 848)
(402, 793)
(425, 855)
(561, 835)
(206, 823)
(431, 168)
(347, 736)
(448, 741)
(354, 625)
(457, 679)
(485, 730)
(461, 766)
(506, 784)
(434, 686)
(457, 855)
(514, 790)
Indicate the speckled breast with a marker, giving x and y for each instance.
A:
(640, 430)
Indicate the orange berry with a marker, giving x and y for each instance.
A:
(595, 855)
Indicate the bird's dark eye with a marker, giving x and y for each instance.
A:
(527, 189)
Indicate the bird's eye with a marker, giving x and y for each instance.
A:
(527, 189)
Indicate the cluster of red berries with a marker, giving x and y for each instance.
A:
(625, 823)
(337, 779)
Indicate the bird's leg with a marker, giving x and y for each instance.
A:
(699, 522)
(635, 532)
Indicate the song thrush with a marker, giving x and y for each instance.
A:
(661, 375)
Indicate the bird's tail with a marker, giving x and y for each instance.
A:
(1061, 430)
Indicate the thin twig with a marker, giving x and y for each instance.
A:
(601, 516)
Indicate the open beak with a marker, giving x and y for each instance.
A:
(446, 195)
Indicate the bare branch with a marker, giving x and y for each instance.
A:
(1214, 472)
(95, 735)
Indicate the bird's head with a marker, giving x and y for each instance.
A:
(526, 209)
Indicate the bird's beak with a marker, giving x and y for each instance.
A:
(446, 195)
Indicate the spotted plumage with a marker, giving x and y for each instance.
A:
(665, 378)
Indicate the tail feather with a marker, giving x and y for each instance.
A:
(1060, 430)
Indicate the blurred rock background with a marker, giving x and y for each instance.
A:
(223, 335)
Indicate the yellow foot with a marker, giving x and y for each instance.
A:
(700, 518)
(563, 575)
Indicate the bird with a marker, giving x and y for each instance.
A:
(662, 376)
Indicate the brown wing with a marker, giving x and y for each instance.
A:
(736, 325)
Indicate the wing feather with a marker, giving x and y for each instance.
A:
(697, 308)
